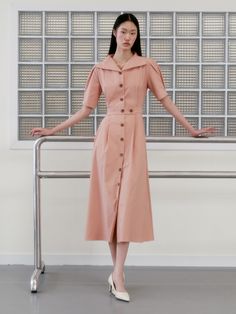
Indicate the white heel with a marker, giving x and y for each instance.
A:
(123, 296)
(111, 285)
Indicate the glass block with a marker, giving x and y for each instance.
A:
(145, 125)
(51, 122)
(56, 23)
(103, 45)
(213, 50)
(102, 107)
(79, 75)
(187, 24)
(82, 23)
(213, 24)
(30, 50)
(161, 50)
(56, 50)
(232, 50)
(187, 50)
(161, 24)
(56, 76)
(231, 127)
(105, 22)
(232, 103)
(160, 126)
(187, 76)
(232, 76)
(213, 103)
(30, 24)
(155, 107)
(84, 128)
(213, 76)
(30, 76)
(76, 100)
(167, 72)
(26, 124)
(82, 50)
(218, 123)
(187, 102)
(144, 46)
(181, 131)
(142, 19)
(30, 102)
(232, 24)
(56, 102)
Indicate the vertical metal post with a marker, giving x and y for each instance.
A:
(38, 264)
(37, 210)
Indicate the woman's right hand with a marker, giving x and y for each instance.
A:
(41, 132)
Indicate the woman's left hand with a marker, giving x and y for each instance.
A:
(204, 132)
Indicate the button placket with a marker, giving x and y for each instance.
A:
(122, 133)
(121, 154)
(121, 85)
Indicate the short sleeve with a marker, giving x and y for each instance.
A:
(155, 80)
(92, 89)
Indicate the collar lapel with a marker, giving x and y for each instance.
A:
(108, 64)
(133, 62)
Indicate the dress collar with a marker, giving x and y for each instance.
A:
(109, 64)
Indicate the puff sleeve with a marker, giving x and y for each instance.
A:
(155, 80)
(92, 89)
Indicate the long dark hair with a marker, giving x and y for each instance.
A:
(121, 19)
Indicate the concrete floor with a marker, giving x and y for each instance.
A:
(84, 289)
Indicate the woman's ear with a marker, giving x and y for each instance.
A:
(114, 32)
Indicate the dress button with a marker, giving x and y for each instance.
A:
(118, 184)
(120, 72)
(119, 169)
(122, 110)
(121, 85)
(121, 99)
(131, 110)
(122, 124)
(121, 138)
(121, 154)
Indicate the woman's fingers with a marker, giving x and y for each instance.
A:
(204, 132)
(40, 132)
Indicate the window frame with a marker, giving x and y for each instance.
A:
(20, 144)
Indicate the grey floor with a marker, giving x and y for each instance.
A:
(83, 289)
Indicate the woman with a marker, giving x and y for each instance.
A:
(119, 201)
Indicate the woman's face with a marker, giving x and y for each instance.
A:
(126, 35)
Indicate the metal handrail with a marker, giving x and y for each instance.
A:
(38, 174)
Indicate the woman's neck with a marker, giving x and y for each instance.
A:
(123, 55)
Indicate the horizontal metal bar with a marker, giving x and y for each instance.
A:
(152, 174)
(63, 174)
(149, 139)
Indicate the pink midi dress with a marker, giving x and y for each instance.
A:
(119, 196)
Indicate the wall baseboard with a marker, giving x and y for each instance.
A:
(132, 260)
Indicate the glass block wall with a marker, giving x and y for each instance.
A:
(196, 52)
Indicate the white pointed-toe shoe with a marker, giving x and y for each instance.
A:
(123, 296)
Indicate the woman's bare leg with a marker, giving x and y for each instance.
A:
(118, 273)
(118, 253)
(112, 246)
